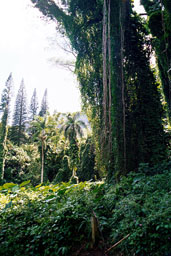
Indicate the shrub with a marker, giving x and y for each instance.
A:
(55, 219)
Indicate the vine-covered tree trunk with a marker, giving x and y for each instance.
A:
(116, 89)
(105, 82)
(3, 142)
(122, 28)
(5, 151)
(42, 156)
(159, 23)
(117, 85)
(113, 64)
(5, 108)
(109, 79)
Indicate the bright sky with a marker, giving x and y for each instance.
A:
(26, 47)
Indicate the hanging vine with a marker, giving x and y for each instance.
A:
(118, 89)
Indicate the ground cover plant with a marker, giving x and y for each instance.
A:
(56, 219)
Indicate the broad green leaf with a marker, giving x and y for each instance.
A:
(24, 183)
(38, 186)
(9, 185)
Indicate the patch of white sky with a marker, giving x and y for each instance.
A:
(27, 44)
(138, 7)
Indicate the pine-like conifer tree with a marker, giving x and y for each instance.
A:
(33, 106)
(44, 105)
(20, 116)
(5, 109)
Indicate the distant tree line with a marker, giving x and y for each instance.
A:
(43, 147)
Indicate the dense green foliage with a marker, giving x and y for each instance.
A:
(55, 219)
(118, 88)
(159, 23)
(128, 142)
(55, 148)
(87, 161)
(146, 141)
(22, 163)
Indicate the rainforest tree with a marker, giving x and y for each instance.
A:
(45, 131)
(73, 128)
(5, 109)
(118, 88)
(159, 23)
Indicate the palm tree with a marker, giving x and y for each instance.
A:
(73, 128)
(45, 131)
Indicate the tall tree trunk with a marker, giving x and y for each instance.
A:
(104, 49)
(4, 139)
(166, 41)
(107, 97)
(122, 21)
(42, 169)
(4, 152)
(109, 78)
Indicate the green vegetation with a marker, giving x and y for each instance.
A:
(5, 109)
(56, 219)
(159, 23)
(105, 189)
(119, 89)
(55, 148)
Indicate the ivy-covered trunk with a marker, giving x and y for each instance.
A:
(113, 85)
(5, 151)
(159, 23)
(5, 109)
(3, 147)
(118, 88)
(42, 158)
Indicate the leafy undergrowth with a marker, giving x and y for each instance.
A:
(56, 219)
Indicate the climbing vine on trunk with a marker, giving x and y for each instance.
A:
(118, 89)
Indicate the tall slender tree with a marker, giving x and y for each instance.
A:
(44, 105)
(33, 106)
(20, 117)
(5, 109)
(73, 128)
(45, 131)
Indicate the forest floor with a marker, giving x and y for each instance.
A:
(132, 217)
